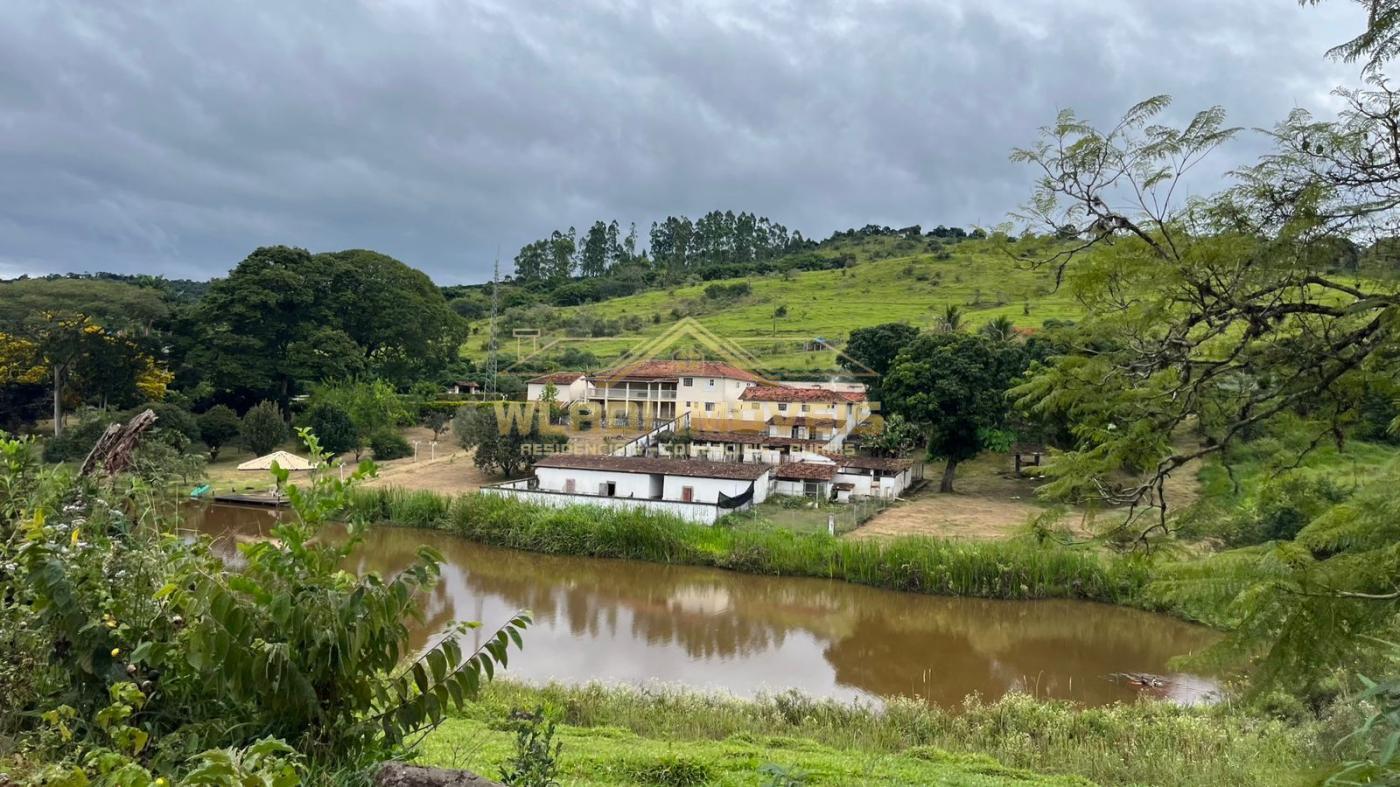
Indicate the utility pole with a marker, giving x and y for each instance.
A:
(495, 307)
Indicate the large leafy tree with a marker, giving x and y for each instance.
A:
(79, 332)
(397, 316)
(507, 451)
(1235, 316)
(1217, 317)
(871, 351)
(954, 387)
(285, 318)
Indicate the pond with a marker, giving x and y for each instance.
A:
(621, 621)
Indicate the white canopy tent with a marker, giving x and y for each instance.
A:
(284, 460)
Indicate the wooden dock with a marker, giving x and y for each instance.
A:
(269, 499)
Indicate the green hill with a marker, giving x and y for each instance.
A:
(886, 279)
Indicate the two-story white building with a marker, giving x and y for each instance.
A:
(648, 392)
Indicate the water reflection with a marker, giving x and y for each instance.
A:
(634, 622)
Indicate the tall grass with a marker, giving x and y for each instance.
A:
(992, 569)
(1148, 742)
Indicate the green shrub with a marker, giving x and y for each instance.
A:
(1147, 742)
(388, 445)
(263, 428)
(132, 650)
(218, 426)
(333, 427)
(169, 418)
(672, 770)
(76, 441)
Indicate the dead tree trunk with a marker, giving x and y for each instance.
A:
(113, 452)
(396, 774)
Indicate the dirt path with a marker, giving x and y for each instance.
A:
(949, 516)
(452, 471)
(991, 503)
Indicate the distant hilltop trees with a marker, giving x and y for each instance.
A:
(675, 244)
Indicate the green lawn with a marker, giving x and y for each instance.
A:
(801, 516)
(670, 736)
(611, 755)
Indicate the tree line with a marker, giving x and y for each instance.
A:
(281, 322)
(676, 243)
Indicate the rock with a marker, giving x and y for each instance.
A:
(397, 774)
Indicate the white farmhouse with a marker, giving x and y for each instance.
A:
(568, 387)
(874, 476)
(694, 490)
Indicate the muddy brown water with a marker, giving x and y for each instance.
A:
(622, 621)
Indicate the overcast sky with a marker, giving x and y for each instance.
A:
(174, 138)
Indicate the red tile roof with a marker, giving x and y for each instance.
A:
(558, 378)
(888, 464)
(693, 468)
(782, 393)
(750, 438)
(674, 370)
(803, 420)
(806, 471)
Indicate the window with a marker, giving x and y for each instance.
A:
(849, 408)
(804, 408)
(711, 382)
(569, 485)
(782, 407)
(688, 381)
(688, 494)
(709, 407)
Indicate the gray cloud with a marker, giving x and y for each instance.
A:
(174, 138)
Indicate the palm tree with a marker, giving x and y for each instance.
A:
(952, 319)
(1000, 330)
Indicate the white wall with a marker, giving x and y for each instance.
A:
(576, 391)
(699, 513)
(785, 486)
(715, 452)
(707, 489)
(870, 486)
(586, 482)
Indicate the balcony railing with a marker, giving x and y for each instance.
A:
(632, 394)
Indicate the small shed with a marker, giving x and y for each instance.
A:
(459, 387)
(284, 460)
(805, 479)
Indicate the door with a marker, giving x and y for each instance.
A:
(688, 494)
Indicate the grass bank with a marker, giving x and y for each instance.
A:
(621, 735)
(990, 569)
